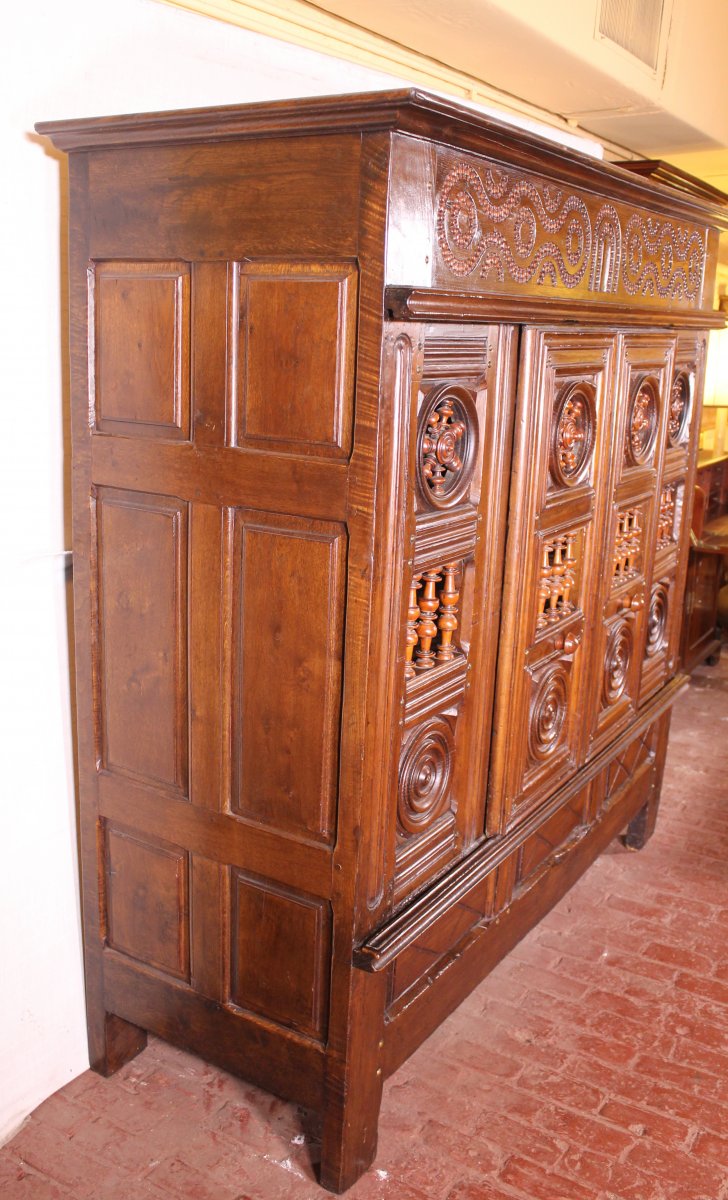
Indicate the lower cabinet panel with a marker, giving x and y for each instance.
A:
(432, 972)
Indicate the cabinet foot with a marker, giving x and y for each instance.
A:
(642, 826)
(353, 1092)
(113, 1043)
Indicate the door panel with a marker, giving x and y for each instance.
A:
(630, 612)
(552, 566)
(461, 413)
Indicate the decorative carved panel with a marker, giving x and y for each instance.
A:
(680, 408)
(657, 621)
(425, 774)
(573, 434)
(502, 230)
(666, 516)
(432, 618)
(627, 559)
(557, 579)
(642, 421)
(548, 712)
(447, 443)
(617, 661)
(662, 259)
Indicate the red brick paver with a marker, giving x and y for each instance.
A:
(591, 1065)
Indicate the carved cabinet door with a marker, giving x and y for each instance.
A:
(625, 636)
(460, 418)
(561, 464)
(670, 543)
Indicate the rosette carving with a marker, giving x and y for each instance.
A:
(573, 432)
(656, 621)
(679, 416)
(425, 773)
(642, 421)
(447, 443)
(617, 661)
(548, 713)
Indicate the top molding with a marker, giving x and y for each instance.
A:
(408, 111)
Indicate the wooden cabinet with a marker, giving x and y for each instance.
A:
(384, 426)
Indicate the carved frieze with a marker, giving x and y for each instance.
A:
(503, 231)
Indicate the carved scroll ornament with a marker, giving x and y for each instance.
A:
(528, 232)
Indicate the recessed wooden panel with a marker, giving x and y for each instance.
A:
(141, 320)
(288, 614)
(280, 949)
(295, 378)
(147, 901)
(551, 835)
(142, 643)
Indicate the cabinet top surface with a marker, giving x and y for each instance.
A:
(409, 111)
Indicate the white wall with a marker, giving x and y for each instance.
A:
(83, 58)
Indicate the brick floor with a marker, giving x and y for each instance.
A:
(591, 1065)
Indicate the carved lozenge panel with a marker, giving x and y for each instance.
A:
(498, 230)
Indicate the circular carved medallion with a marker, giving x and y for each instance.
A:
(447, 442)
(656, 621)
(642, 421)
(548, 713)
(679, 416)
(573, 430)
(616, 661)
(425, 771)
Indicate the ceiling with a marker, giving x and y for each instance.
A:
(553, 55)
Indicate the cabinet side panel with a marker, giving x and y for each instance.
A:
(147, 901)
(142, 642)
(280, 953)
(141, 320)
(287, 623)
(295, 386)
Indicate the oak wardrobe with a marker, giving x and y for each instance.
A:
(384, 438)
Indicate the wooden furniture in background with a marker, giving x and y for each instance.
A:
(384, 429)
(701, 639)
